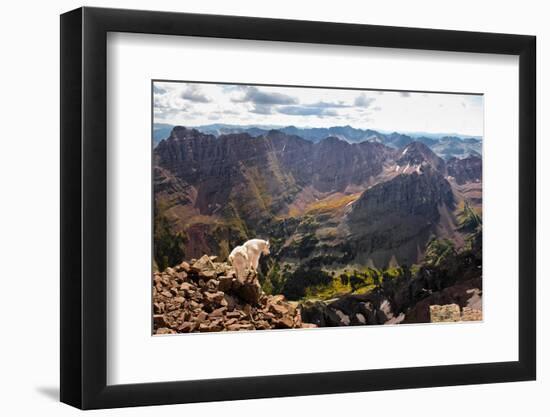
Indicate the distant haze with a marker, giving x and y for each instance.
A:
(197, 104)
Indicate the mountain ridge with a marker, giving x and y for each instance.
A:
(217, 191)
(444, 144)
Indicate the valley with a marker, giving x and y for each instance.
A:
(343, 219)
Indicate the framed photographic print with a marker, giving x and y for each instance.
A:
(314, 207)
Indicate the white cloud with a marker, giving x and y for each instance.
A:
(194, 104)
(194, 93)
(363, 101)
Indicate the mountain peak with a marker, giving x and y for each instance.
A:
(418, 154)
(417, 146)
(182, 132)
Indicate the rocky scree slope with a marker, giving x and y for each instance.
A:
(206, 296)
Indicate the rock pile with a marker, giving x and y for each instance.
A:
(207, 296)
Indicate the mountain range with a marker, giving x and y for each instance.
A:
(328, 203)
(446, 145)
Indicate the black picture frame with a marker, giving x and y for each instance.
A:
(84, 207)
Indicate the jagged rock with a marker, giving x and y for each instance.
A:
(249, 291)
(181, 276)
(208, 274)
(184, 266)
(204, 327)
(218, 312)
(225, 283)
(203, 264)
(206, 297)
(235, 314)
(214, 297)
(278, 309)
(188, 287)
(159, 320)
(285, 322)
(318, 313)
(215, 326)
(241, 326)
(202, 316)
(164, 330)
(187, 327)
(262, 325)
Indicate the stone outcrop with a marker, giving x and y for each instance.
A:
(351, 310)
(207, 296)
(445, 313)
(466, 294)
(452, 313)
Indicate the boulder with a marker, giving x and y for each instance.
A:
(184, 266)
(444, 313)
(285, 322)
(203, 264)
(471, 314)
(214, 297)
(225, 283)
(249, 291)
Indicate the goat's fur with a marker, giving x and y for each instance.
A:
(247, 256)
(239, 259)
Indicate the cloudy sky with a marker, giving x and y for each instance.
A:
(195, 104)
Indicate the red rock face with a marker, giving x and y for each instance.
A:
(337, 164)
(223, 190)
(396, 217)
(465, 170)
(216, 165)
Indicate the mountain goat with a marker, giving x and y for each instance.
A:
(248, 255)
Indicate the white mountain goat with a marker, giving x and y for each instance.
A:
(248, 255)
(239, 259)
